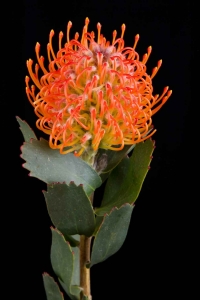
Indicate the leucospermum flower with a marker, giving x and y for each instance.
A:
(94, 94)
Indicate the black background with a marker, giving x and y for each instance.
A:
(153, 261)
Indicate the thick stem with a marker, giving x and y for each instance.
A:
(85, 243)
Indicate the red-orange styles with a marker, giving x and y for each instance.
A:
(94, 93)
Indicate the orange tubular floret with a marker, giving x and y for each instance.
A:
(114, 36)
(99, 32)
(60, 39)
(33, 76)
(155, 70)
(136, 41)
(123, 30)
(146, 56)
(40, 59)
(94, 94)
(69, 25)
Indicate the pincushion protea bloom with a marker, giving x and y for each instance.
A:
(94, 94)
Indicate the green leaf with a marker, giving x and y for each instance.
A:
(111, 234)
(104, 176)
(115, 181)
(26, 130)
(63, 263)
(98, 220)
(62, 258)
(50, 166)
(73, 241)
(125, 181)
(76, 269)
(70, 209)
(114, 157)
(51, 288)
(75, 288)
(75, 291)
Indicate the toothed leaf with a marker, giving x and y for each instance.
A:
(50, 166)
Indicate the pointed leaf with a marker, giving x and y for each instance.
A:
(70, 209)
(26, 130)
(133, 177)
(62, 259)
(111, 234)
(50, 166)
(51, 288)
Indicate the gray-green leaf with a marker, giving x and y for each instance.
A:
(70, 209)
(63, 263)
(26, 130)
(111, 234)
(51, 288)
(50, 166)
(131, 173)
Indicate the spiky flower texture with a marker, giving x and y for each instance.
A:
(94, 94)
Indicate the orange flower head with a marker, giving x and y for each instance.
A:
(94, 94)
